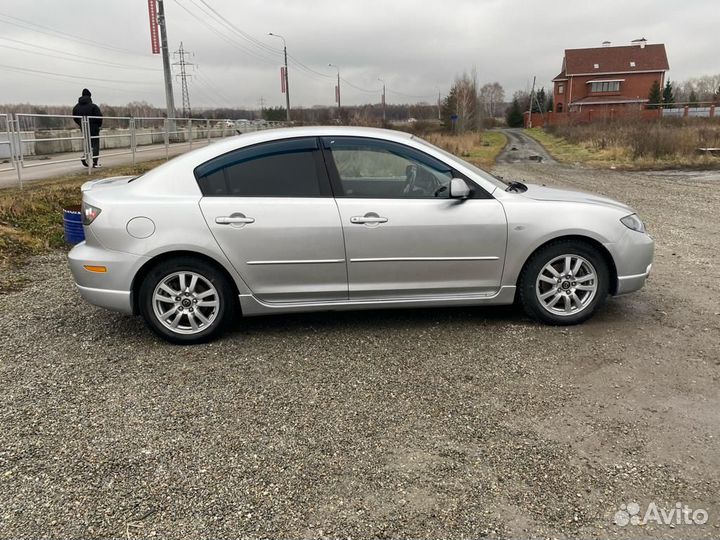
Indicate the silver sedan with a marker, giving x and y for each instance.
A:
(331, 218)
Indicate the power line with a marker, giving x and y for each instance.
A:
(75, 59)
(228, 39)
(211, 86)
(28, 25)
(81, 78)
(244, 34)
(359, 88)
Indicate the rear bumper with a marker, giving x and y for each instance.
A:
(110, 289)
(108, 299)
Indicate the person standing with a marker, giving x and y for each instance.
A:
(86, 107)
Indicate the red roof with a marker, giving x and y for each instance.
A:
(626, 58)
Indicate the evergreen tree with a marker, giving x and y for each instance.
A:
(693, 99)
(667, 96)
(655, 96)
(539, 102)
(550, 104)
(514, 115)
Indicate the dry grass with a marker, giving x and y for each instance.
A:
(480, 148)
(662, 144)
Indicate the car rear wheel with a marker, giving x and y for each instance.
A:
(564, 283)
(186, 300)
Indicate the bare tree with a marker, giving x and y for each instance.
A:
(491, 95)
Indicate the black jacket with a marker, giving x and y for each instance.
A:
(85, 107)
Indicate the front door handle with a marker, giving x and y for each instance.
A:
(369, 218)
(234, 219)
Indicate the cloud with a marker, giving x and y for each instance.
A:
(416, 47)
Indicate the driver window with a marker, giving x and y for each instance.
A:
(378, 169)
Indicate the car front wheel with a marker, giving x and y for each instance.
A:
(564, 283)
(186, 300)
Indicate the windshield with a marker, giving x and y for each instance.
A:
(474, 168)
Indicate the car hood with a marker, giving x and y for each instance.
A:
(543, 193)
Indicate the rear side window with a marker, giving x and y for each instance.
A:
(287, 168)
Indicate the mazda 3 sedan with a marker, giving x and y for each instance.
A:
(331, 218)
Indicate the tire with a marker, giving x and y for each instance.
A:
(546, 296)
(197, 314)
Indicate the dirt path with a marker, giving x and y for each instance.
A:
(522, 148)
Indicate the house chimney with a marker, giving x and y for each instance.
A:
(605, 43)
(641, 42)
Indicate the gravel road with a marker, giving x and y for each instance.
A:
(428, 423)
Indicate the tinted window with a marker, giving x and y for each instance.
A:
(382, 169)
(290, 168)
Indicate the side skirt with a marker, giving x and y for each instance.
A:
(251, 306)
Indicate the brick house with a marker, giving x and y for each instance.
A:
(607, 79)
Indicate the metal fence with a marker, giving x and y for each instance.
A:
(41, 140)
(7, 148)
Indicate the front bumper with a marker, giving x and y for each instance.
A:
(633, 256)
(110, 289)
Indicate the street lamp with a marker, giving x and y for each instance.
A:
(337, 90)
(287, 85)
(383, 98)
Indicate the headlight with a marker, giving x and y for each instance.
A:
(89, 213)
(633, 222)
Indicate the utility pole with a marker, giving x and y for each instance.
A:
(383, 99)
(532, 94)
(337, 91)
(169, 98)
(439, 102)
(262, 107)
(182, 63)
(285, 76)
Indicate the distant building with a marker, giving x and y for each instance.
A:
(607, 77)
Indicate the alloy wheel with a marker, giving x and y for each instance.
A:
(185, 302)
(566, 285)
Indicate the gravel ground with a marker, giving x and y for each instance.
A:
(427, 423)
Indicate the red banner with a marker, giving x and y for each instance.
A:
(282, 79)
(154, 36)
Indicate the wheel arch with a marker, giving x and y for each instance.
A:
(161, 257)
(602, 250)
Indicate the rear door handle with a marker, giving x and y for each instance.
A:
(368, 219)
(236, 219)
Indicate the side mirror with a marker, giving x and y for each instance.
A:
(459, 189)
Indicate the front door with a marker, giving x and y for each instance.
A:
(404, 236)
(271, 211)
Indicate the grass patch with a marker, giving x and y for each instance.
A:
(646, 145)
(31, 218)
(481, 149)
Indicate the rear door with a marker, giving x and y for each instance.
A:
(404, 236)
(271, 210)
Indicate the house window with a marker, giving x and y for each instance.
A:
(605, 86)
(559, 107)
(632, 64)
(561, 88)
(597, 66)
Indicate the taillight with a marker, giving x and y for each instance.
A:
(89, 213)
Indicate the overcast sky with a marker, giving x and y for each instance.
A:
(417, 47)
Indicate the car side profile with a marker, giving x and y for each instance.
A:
(337, 218)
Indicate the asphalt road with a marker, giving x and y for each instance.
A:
(443, 423)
